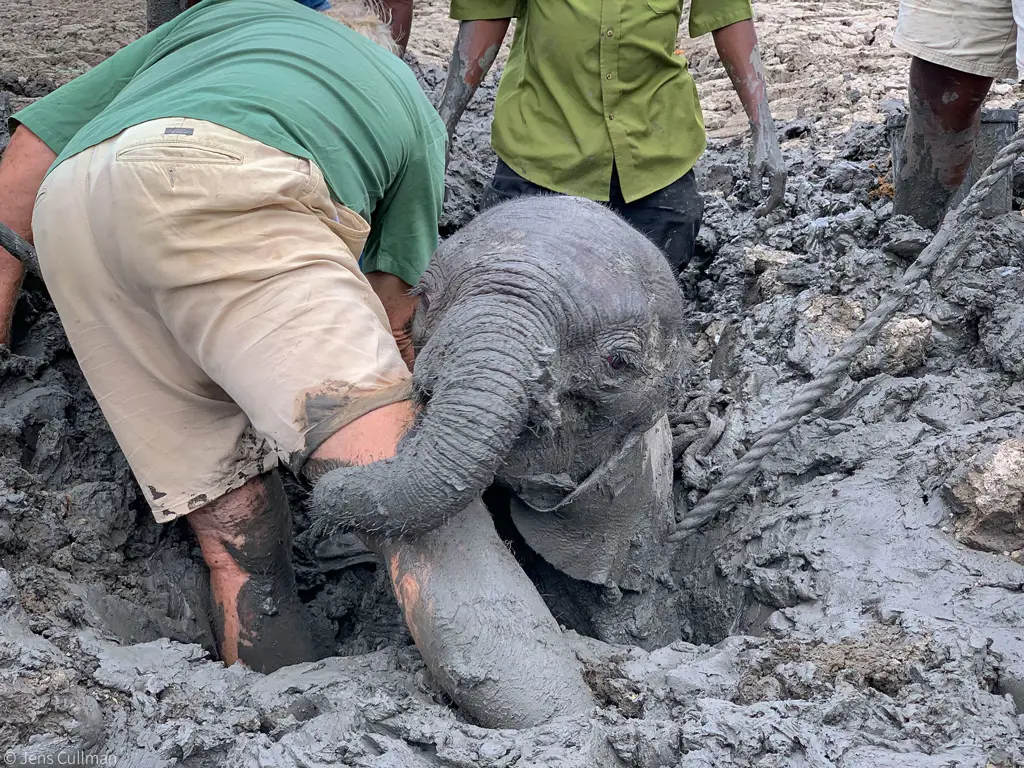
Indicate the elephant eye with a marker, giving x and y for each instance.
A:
(616, 362)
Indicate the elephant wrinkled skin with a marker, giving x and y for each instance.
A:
(548, 332)
(550, 342)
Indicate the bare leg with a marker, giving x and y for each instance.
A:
(246, 540)
(478, 621)
(943, 124)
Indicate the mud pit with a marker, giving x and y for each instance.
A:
(864, 605)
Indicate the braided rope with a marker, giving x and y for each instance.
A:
(19, 248)
(726, 490)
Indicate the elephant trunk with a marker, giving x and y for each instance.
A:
(477, 370)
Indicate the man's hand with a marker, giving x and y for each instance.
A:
(21, 174)
(737, 48)
(766, 164)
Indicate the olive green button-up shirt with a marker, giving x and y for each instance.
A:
(592, 83)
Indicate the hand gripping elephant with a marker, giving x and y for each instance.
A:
(550, 340)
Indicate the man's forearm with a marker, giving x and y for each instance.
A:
(393, 293)
(475, 50)
(737, 48)
(21, 174)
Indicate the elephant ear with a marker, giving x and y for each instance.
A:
(614, 524)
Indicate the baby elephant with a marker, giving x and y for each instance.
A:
(548, 332)
(549, 337)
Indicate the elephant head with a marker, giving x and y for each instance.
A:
(548, 332)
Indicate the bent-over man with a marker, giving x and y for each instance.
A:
(230, 212)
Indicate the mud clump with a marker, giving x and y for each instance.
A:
(831, 619)
(990, 498)
(883, 660)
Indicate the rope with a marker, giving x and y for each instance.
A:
(724, 494)
(19, 248)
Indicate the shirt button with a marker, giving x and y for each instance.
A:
(608, 76)
(611, 115)
(610, 33)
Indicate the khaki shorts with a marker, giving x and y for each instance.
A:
(211, 292)
(975, 36)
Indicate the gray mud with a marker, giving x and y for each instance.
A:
(863, 605)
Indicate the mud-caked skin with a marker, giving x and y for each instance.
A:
(548, 330)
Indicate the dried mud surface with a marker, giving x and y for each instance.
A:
(863, 606)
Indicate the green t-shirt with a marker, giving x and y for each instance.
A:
(590, 83)
(289, 77)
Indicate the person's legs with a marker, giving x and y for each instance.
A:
(958, 48)
(938, 145)
(246, 539)
(670, 217)
(506, 184)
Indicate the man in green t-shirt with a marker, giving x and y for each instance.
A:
(595, 102)
(228, 214)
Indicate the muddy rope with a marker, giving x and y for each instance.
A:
(725, 492)
(19, 248)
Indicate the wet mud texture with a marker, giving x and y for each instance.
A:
(862, 606)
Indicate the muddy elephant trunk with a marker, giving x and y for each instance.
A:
(476, 372)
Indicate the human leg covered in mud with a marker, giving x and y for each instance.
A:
(942, 127)
(958, 49)
(246, 538)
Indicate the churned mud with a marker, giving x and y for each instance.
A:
(863, 605)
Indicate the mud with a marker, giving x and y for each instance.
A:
(861, 607)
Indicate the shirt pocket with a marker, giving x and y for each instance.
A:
(664, 6)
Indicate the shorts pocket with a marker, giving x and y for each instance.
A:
(190, 152)
(350, 228)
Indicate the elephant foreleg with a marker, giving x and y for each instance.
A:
(482, 628)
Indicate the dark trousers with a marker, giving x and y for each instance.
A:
(670, 217)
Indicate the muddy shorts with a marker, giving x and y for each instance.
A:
(976, 36)
(211, 292)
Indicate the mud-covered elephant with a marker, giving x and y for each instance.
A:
(550, 342)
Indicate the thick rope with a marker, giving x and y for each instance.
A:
(19, 248)
(726, 491)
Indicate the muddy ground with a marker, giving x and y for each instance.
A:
(863, 606)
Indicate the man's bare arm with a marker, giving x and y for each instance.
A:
(21, 174)
(475, 50)
(737, 48)
(393, 293)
